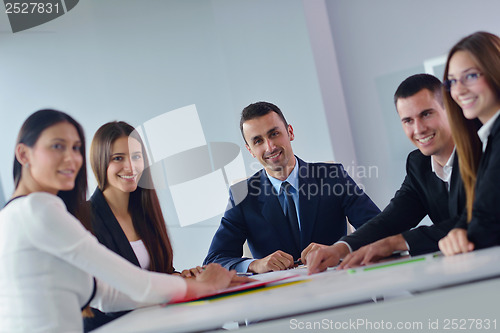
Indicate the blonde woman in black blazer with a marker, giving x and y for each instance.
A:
(472, 81)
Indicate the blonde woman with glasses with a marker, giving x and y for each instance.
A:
(472, 84)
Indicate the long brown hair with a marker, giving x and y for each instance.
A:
(29, 133)
(144, 205)
(74, 199)
(484, 48)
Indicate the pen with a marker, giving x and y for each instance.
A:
(297, 262)
(244, 274)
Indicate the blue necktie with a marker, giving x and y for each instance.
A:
(291, 212)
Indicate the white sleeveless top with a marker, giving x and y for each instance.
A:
(141, 253)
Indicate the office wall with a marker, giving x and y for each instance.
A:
(136, 60)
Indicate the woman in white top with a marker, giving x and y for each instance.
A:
(126, 214)
(48, 259)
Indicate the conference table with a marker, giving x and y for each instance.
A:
(440, 293)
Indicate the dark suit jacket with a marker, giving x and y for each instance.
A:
(422, 193)
(484, 227)
(108, 231)
(327, 194)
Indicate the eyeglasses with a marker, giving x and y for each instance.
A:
(467, 80)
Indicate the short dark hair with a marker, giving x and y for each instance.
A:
(259, 109)
(415, 83)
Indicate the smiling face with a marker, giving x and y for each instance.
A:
(269, 141)
(476, 99)
(125, 166)
(425, 123)
(55, 159)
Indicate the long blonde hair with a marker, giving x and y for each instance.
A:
(484, 48)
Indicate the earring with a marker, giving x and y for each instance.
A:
(27, 165)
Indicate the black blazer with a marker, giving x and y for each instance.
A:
(484, 228)
(109, 233)
(107, 229)
(422, 193)
(326, 196)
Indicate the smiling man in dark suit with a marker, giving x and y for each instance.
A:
(432, 187)
(288, 204)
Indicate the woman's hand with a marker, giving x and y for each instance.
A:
(213, 277)
(192, 272)
(455, 242)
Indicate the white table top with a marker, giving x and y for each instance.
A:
(471, 307)
(317, 292)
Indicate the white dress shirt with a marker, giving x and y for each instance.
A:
(485, 130)
(444, 172)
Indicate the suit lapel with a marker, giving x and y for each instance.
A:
(308, 203)
(105, 215)
(483, 164)
(456, 189)
(437, 189)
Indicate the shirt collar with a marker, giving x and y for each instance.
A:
(443, 173)
(485, 130)
(293, 178)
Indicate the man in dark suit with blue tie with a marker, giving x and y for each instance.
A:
(432, 187)
(288, 204)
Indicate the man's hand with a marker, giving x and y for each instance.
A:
(276, 261)
(319, 257)
(373, 252)
(310, 248)
(455, 242)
